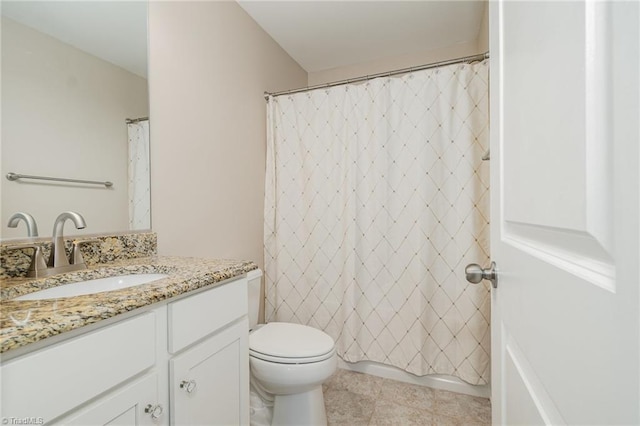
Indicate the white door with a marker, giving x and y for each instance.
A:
(565, 212)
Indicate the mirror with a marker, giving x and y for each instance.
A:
(72, 74)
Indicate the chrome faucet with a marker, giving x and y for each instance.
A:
(32, 228)
(37, 259)
(58, 259)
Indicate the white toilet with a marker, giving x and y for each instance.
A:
(289, 363)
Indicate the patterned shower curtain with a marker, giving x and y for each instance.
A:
(139, 178)
(376, 199)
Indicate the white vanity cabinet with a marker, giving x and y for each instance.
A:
(182, 362)
(209, 380)
(54, 380)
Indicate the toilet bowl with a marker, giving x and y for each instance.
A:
(288, 364)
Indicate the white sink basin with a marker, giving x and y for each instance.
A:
(98, 285)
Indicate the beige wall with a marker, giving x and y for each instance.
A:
(479, 45)
(209, 66)
(63, 115)
(483, 34)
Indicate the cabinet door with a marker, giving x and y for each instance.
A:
(210, 381)
(125, 406)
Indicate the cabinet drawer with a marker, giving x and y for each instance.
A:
(197, 316)
(52, 381)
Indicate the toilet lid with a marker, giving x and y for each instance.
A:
(286, 340)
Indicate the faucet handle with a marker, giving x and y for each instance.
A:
(76, 254)
(38, 266)
(19, 246)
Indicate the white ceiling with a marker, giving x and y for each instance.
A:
(321, 35)
(115, 31)
(318, 34)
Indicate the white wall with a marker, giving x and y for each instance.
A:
(393, 63)
(209, 64)
(63, 115)
(477, 46)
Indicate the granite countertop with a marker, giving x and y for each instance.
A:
(25, 322)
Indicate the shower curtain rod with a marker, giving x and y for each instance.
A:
(136, 120)
(473, 58)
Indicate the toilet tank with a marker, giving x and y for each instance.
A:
(254, 278)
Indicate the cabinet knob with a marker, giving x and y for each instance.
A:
(154, 410)
(188, 385)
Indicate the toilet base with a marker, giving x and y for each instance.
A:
(306, 408)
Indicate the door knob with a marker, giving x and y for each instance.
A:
(475, 273)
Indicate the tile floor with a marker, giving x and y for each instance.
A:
(353, 399)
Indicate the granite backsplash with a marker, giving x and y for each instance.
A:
(103, 249)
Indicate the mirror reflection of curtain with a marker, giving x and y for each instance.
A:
(139, 185)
